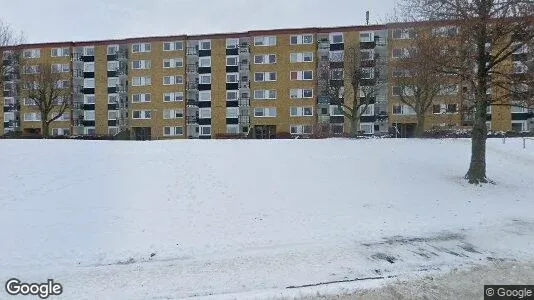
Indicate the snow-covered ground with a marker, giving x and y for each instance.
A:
(255, 219)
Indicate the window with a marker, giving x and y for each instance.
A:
(369, 110)
(112, 49)
(297, 57)
(173, 97)
(367, 128)
(403, 90)
(32, 69)
(204, 96)
(113, 81)
(264, 94)
(265, 112)
(403, 33)
(89, 67)
(113, 98)
(113, 65)
(60, 131)
(27, 102)
(300, 129)
(57, 52)
(32, 116)
(519, 126)
(232, 60)
(172, 80)
(173, 130)
(367, 54)
(88, 99)
(295, 111)
(519, 67)
(173, 114)
(141, 64)
(451, 108)
(141, 81)
(301, 75)
(89, 115)
(205, 45)
(335, 110)
(232, 95)
(265, 41)
(232, 129)
(89, 83)
(445, 31)
(336, 74)
(140, 98)
(367, 73)
(400, 53)
(205, 79)
(113, 115)
(300, 93)
(204, 62)
(89, 130)
(10, 101)
(232, 43)
(336, 55)
(338, 128)
(518, 109)
(205, 130)
(141, 114)
(31, 53)
(113, 130)
(301, 39)
(264, 76)
(173, 63)
(232, 77)
(336, 38)
(141, 47)
(265, 59)
(366, 37)
(448, 89)
(89, 51)
(399, 109)
(60, 68)
(204, 113)
(173, 46)
(232, 112)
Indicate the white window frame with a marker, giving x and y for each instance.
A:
(143, 47)
(202, 130)
(89, 115)
(265, 59)
(265, 41)
(201, 46)
(300, 57)
(332, 35)
(173, 130)
(300, 39)
(144, 114)
(267, 112)
(265, 94)
(300, 93)
(236, 57)
(172, 114)
(204, 113)
(204, 93)
(232, 43)
(172, 46)
(173, 96)
(300, 75)
(143, 80)
(228, 80)
(232, 112)
(231, 92)
(141, 98)
(60, 52)
(203, 59)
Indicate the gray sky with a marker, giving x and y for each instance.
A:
(73, 20)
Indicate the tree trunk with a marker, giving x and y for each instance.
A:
(420, 127)
(45, 129)
(477, 168)
(354, 126)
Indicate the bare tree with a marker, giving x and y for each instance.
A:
(8, 37)
(49, 89)
(490, 32)
(417, 78)
(363, 84)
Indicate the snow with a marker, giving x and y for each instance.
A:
(247, 219)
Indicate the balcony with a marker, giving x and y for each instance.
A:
(244, 102)
(192, 51)
(244, 120)
(191, 102)
(191, 120)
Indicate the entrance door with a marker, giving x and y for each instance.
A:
(265, 131)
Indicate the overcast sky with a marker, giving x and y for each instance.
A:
(73, 20)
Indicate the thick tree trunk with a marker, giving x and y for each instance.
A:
(420, 127)
(477, 168)
(45, 129)
(354, 127)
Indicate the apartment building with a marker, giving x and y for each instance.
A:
(256, 83)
